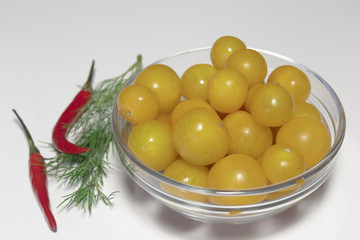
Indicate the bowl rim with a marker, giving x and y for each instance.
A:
(337, 141)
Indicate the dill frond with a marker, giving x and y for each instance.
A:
(86, 171)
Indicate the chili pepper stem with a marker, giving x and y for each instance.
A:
(33, 148)
(87, 86)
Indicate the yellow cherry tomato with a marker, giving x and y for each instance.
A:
(187, 173)
(164, 82)
(184, 106)
(200, 136)
(281, 162)
(292, 79)
(246, 135)
(151, 142)
(195, 81)
(223, 48)
(271, 105)
(250, 63)
(137, 103)
(305, 109)
(227, 90)
(236, 172)
(309, 136)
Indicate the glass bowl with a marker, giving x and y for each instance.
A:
(322, 96)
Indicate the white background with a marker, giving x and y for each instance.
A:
(46, 48)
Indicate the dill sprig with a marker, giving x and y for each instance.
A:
(86, 171)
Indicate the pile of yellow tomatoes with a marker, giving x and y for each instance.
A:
(225, 125)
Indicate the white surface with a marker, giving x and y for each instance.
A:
(46, 48)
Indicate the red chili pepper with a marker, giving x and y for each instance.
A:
(38, 177)
(69, 116)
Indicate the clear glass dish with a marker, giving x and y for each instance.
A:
(322, 96)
